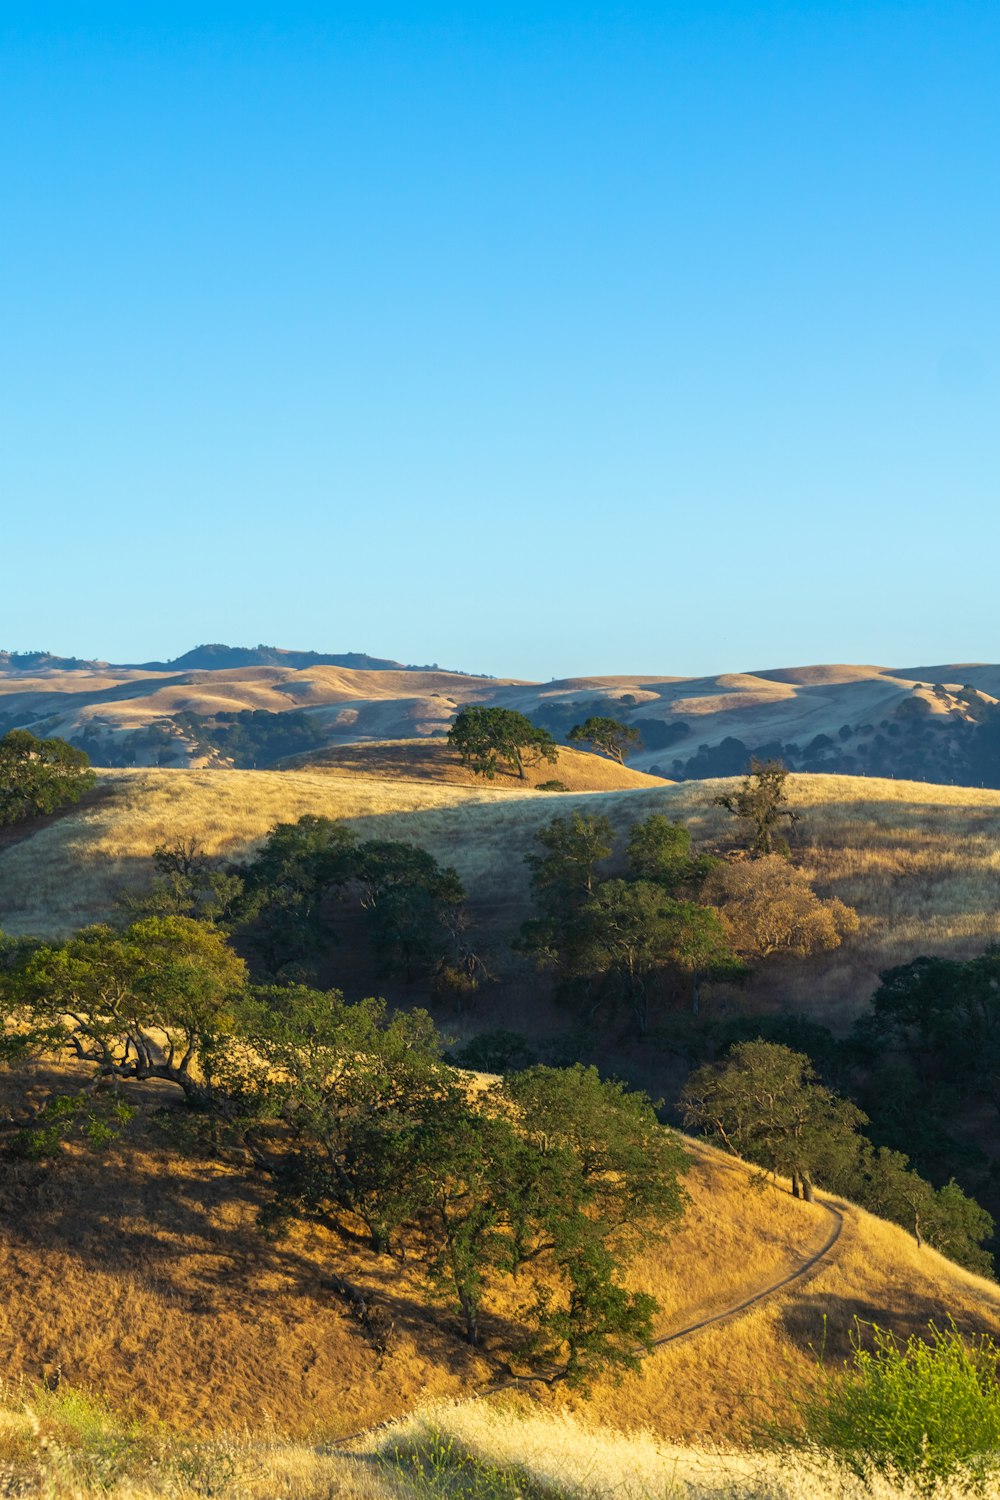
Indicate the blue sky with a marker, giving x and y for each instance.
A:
(530, 339)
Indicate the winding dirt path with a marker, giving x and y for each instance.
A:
(804, 1272)
(801, 1273)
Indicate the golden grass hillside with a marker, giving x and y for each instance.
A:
(435, 760)
(788, 704)
(920, 862)
(139, 1272)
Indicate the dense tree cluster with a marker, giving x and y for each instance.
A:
(648, 935)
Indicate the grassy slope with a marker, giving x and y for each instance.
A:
(787, 704)
(141, 1274)
(435, 761)
(919, 862)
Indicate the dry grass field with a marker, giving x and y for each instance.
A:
(435, 760)
(65, 1449)
(920, 863)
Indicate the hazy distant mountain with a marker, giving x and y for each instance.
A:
(215, 658)
(44, 661)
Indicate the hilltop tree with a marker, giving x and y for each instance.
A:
(610, 736)
(39, 775)
(491, 739)
(760, 804)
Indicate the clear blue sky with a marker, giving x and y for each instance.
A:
(526, 338)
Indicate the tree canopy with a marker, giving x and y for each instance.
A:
(761, 804)
(39, 775)
(491, 739)
(610, 736)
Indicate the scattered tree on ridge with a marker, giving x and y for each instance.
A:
(760, 804)
(610, 736)
(491, 739)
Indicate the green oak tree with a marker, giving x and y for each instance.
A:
(491, 739)
(609, 736)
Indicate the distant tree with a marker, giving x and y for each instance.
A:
(610, 736)
(491, 739)
(39, 775)
(769, 908)
(760, 804)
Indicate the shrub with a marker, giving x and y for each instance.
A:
(929, 1409)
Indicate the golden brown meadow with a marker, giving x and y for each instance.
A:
(142, 1274)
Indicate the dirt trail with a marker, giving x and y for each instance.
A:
(803, 1272)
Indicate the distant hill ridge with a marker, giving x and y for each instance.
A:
(209, 658)
(221, 705)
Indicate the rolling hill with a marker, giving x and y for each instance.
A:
(140, 1271)
(921, 723)
(919, 862)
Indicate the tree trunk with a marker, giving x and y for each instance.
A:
(807, 1188)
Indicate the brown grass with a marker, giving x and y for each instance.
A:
(434, 760)
(491, 1450)
(738, 1234)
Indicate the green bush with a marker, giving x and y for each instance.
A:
(928, 1409)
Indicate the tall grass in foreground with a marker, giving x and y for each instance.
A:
(471, 1450)
(65, 1446)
